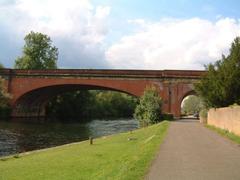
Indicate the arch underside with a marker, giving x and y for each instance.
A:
(33, 103)
(188, 93)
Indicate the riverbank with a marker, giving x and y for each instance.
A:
(23, 137)
(120, 156)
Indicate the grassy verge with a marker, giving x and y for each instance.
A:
(225, 133)
(121, 156)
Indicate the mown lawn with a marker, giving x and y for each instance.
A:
(225, 133)
(122, 156)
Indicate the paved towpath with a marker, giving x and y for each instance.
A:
(192, 152)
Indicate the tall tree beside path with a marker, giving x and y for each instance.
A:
(220, 87)
(38, 53)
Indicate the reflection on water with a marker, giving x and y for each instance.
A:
(21, 137)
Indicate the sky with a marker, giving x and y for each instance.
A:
(123, 34)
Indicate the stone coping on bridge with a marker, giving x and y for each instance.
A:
(196, 74)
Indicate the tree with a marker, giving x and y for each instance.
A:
(69, 106)
(148, 111)
(110, 104)
(38, 53)
(4, 96)
(220, 87)
(5, 109)
(83, 105)
(191, 105)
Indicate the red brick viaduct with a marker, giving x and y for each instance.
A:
(31, 89)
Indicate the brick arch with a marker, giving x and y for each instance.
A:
(43, 94)
(22, 86)
(50, 91)
(183, 90)
(32, 101)
(188, 91)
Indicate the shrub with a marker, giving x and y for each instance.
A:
(167, 117)
(5, 112)
(204, 113)
(4, 101)
(148, 111)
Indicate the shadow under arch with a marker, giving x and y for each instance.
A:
(33, 103)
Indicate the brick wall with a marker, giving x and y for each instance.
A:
(225, 118)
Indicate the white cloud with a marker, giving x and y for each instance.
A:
(174, 44)
(75, 22)
(79, 29)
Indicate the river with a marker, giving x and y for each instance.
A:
(22, 137)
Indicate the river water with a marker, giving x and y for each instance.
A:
(22, 137)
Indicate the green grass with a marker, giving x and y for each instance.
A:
(110, 157)
(225, 133)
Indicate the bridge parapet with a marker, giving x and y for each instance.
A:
(192, 74)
